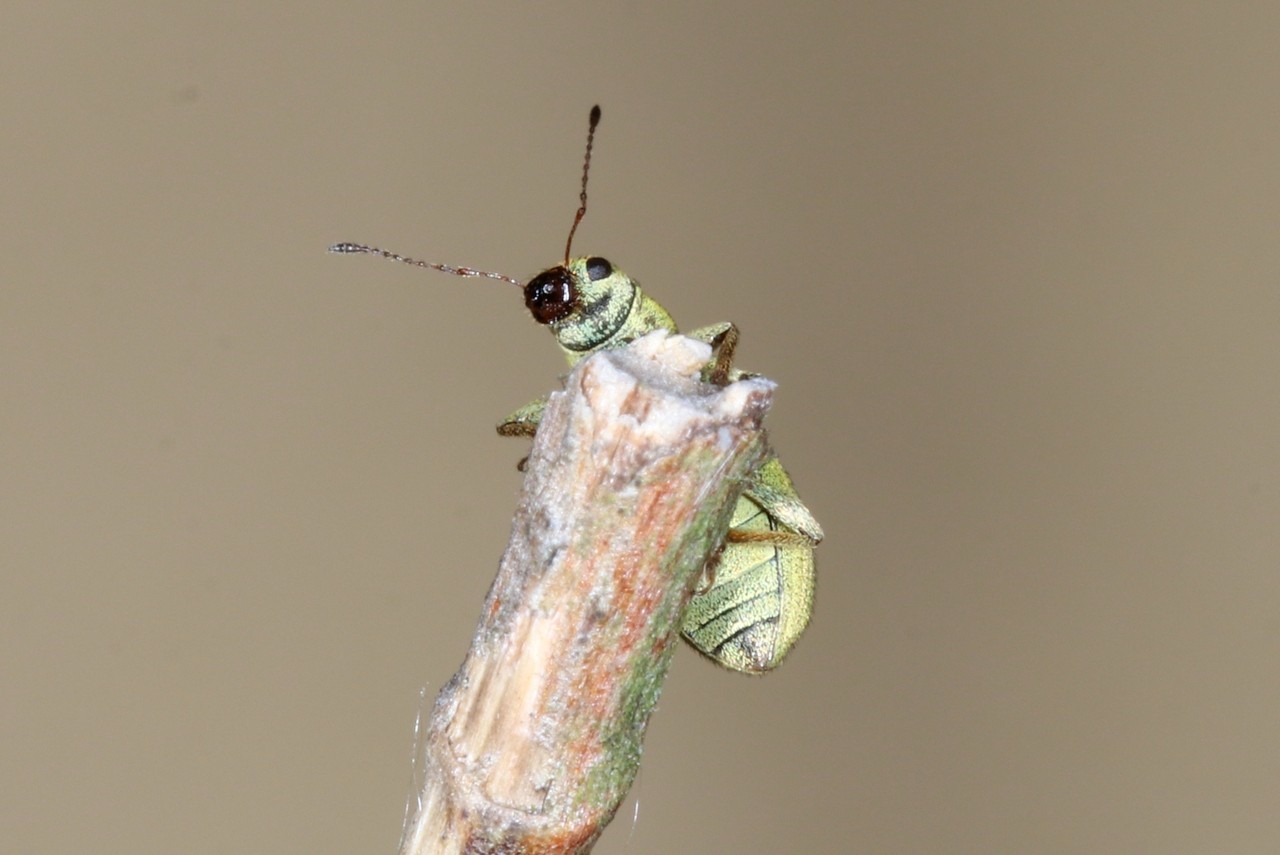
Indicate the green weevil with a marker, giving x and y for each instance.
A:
(756, 597)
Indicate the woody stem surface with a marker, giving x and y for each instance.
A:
(534, 742)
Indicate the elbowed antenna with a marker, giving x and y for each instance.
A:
(443, 268)
(586, 166)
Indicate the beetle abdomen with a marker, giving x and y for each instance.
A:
(760, 599)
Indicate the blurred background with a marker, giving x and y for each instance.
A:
(1013, 266)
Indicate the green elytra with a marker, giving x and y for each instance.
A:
(756, 598)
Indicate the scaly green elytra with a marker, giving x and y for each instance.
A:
(755, 599)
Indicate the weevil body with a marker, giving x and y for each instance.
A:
(755, 599)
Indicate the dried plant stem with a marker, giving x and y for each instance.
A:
(533, 744)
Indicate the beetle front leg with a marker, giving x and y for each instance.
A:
(524, 421)
(723, 338)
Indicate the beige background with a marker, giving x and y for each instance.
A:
(1014, 269)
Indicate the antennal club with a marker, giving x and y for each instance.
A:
(443, 268)
(586, 166)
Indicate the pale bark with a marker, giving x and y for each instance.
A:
(533, 744)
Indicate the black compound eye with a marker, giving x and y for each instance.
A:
(598, 268)
(550, 295)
